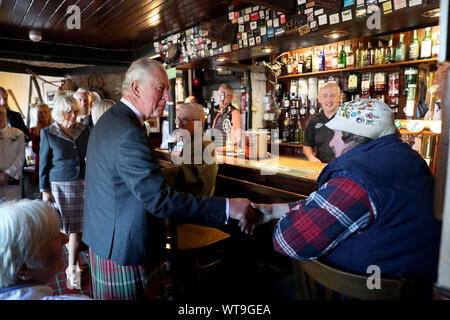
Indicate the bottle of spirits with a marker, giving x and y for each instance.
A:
(414, 47)
(322, 60)
(284, 66)
(358, 55)
(435, 47)
(394, 81)
(301, 65)
(366, 84)
(368, 60)
(335, 58)
(379, 81)
(354, 82)
(379, 54)
(342, 59)
(308, 64)
(400, 50)
(299, 133)
(390, 51)
(425, 52)
(289, 66)
(350, 58)
(316, 61)
(286, 128)
(363, 57)
(328, 58)
(295, 64)
(411, 85)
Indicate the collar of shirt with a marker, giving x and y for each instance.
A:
(136, 111)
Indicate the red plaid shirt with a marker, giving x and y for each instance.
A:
(326, 218)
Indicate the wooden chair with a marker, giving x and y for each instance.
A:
(338, 284)
(195, 253)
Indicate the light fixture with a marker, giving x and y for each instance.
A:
(336, 34)
(221, 59)
(268, 49)
(35, 35)
(432, 13)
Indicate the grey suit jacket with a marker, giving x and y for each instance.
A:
(126, 196)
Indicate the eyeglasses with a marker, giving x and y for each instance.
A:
(182, 120)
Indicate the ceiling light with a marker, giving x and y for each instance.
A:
(35, 36)
(336, 34)
(268, 49)
(433, 13)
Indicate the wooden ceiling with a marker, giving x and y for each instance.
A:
(113, 24)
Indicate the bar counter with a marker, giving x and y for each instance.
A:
(278, 179)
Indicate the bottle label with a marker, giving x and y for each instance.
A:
(426, 49)
(352, 82)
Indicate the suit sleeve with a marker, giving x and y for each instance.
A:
(44, 162)
(141, 173)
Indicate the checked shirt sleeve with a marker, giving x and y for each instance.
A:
(326, 218)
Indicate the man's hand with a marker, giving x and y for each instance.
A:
(47, 197)
(242, 210)
(3, 179)
(270, 211)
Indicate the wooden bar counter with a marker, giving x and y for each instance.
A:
(277, 179)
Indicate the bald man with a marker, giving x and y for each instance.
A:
(317, 135)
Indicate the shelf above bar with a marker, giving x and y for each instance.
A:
(373, 67)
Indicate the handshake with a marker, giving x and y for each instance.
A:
(250, 215)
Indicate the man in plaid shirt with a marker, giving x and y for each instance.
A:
(374, 205)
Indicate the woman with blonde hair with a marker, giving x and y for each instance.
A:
(44, 120)
(62, 164)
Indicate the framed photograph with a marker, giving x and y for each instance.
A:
(49, 93)
(152, 125)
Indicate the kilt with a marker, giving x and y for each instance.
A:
(69, 198)
(110, 281)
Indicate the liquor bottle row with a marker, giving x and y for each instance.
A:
(292, 113)
(331, 57)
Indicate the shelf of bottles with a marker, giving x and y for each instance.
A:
(386, 67)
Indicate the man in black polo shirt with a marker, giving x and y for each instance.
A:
(317, 134)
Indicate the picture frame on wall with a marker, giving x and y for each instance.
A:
(50, 93)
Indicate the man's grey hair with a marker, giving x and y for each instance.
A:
(142, 71)
(83, 90)
(25, 225)
(99, 108)
(64, 104)
(225, 86)
(195, 109)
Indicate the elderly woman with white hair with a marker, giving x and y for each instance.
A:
(62, 163)
(30, 251)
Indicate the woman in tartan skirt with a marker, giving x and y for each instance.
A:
(62, 161)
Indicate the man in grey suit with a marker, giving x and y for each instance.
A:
(127, 198)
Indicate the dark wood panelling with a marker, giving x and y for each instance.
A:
(115, 24)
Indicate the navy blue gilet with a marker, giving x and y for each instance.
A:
(404, 238)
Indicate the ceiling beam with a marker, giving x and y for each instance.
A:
(285, 6)
(45, 51)
(13, 67)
